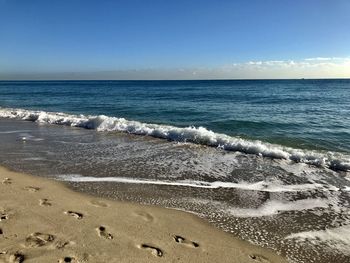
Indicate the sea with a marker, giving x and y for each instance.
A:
(265, 160)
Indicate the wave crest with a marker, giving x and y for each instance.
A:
(198, 135)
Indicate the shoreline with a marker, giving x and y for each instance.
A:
(44, 221)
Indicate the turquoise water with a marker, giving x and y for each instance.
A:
(306, 114)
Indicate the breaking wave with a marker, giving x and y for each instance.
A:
(198, 135)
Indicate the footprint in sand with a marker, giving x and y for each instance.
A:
(60, 244)
(258, 258)
(66, 259)
(32, 189)
(7, 181)
(1, 232)
(101, 230)
(74, 214)
(98, 203)
(3, 216)
(38, 239)
(44, 202)
(16, 257)
(145, 216)
(154, 250)
(184, 241)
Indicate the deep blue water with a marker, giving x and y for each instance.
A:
(311, 114)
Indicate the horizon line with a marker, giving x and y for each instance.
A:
(213, 79)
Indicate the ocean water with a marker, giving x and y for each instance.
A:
(306, 114)
(290, 114)
(266, 160)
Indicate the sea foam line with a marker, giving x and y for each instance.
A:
(258, 186)
(198, 135)
(274, 207)
(336, 238)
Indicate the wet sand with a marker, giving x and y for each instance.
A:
(43, 221)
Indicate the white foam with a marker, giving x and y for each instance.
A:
(16, 131)
(346, 188)
(258, 186)
(199, 135)
(273, 207)
(335, 238)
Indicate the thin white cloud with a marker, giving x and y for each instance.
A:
(320, 67)
(328, 59)
(318, 59)
(254, 63)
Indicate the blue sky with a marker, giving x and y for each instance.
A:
(174, 39)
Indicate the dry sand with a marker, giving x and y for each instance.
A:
(43, 221)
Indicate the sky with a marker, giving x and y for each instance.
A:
(182, 39)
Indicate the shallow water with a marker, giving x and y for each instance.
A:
(300, 210)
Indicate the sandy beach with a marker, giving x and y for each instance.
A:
(43, 221)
